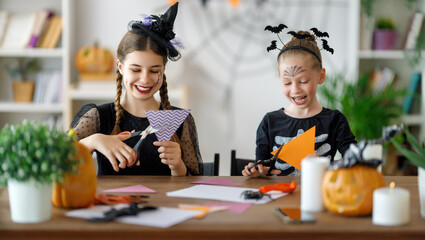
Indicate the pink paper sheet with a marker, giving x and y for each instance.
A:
(131, 189)
(217, 181)
(238, 208)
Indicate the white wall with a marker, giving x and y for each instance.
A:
(232, 79)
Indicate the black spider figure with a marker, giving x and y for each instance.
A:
(249, 194)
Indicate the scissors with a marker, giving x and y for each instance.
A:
(269, 162)
(143, 135)
(283, 187)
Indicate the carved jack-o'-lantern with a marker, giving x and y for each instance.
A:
(349, 191)
(94, 59)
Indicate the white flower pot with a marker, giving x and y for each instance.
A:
(30, 202)
(421, 186)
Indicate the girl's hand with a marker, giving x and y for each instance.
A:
(170, 154)
(118, 153)
(261, 172)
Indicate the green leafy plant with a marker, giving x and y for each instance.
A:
(385, 23)
(415, 156)
(367, 111)
(367, 7)
(31, 150)
(22, 69)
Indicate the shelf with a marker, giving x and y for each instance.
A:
(414, 119)
(32, 52)
(94, 90)
(382, 54)
(12, 107)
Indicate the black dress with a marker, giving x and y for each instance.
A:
(101, 119)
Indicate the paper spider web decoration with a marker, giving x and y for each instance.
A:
(166, 117)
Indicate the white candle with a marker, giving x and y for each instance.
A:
(391, 206)
(312, 171)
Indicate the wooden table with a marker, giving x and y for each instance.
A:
(259, 222)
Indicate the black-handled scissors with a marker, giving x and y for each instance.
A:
(268, 162)
(143, 135)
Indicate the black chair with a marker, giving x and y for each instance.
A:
(211, 168)
(237, 164)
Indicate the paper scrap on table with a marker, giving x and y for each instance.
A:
(212, 209)
(217, 181)
(131, 189)
(162, 217)
(222, 193)
(238, 208)
(298, 148)
(161, 118)
(204, 209)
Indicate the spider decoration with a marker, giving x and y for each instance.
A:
(249, 194)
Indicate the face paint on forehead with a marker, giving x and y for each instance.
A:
(293, 71)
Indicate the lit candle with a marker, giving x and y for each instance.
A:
(391, 206)
(312, 171)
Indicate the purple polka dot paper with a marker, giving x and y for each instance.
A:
(161, 118)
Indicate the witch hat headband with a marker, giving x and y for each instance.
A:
(316, 32)
(160, 29)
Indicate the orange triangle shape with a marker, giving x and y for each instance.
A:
(293, 213)
(298, 148)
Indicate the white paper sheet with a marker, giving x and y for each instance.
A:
(162, 217)
(223, 193)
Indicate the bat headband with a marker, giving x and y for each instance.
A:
(317, 33)
(160, 29)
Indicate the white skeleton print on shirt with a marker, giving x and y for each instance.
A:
(322, 150)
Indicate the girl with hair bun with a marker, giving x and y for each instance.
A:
(142, 56)
(301, 72)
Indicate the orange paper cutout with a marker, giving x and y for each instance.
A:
(298, 148)
(235, 3)
(171, 2)
(293, 213)
(203, 209)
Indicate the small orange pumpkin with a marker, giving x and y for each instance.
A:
(349, 191)
(77, 190)
(94, 59)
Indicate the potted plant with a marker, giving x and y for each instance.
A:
(416, 155)
(22, 71)
(366, 110)
(32, 157)
(384, 35)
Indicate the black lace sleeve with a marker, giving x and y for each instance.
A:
(86, 122)
(189, 143)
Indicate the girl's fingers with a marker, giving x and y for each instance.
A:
(112, 160)
(122, 160)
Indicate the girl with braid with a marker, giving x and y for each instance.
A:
(300, 71)
(142, 55)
